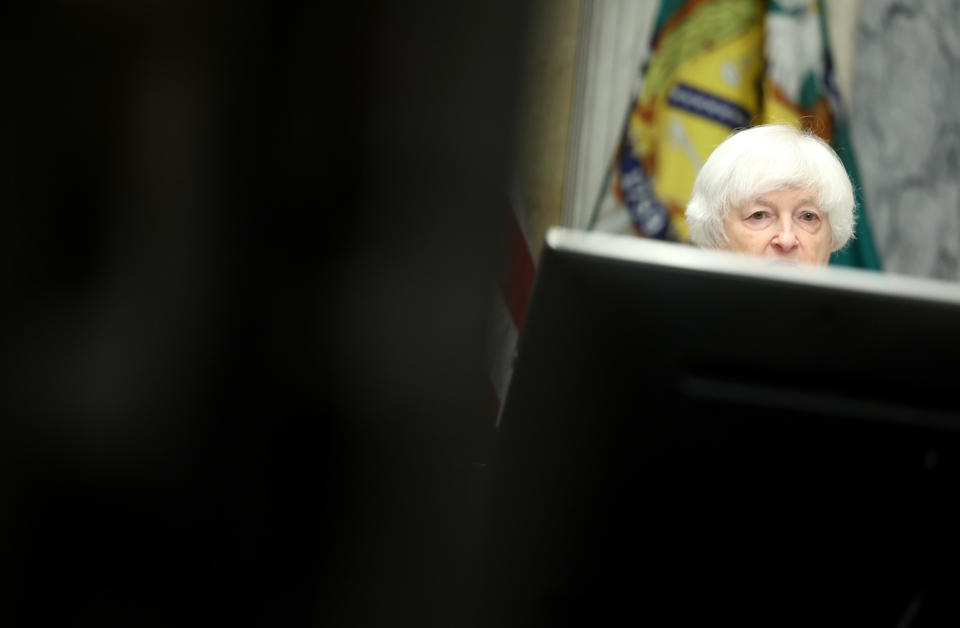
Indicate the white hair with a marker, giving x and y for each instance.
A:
(763, 159)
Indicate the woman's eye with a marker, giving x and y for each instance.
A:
(808, 216)
(759, 219)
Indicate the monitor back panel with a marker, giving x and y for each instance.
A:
(682, 446)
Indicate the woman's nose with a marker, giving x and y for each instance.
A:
(787, 240)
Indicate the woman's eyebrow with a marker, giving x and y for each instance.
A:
(807, 201)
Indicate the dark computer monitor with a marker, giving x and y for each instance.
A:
(697, 436)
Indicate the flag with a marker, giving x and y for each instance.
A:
(716, 66)
(511, 297)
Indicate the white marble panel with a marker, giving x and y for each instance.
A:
(906, 131)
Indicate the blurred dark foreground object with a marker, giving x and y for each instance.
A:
(247, 250)
(692, 438)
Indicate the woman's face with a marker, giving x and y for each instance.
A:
(787, 225)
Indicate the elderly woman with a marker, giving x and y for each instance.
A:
(773, 191)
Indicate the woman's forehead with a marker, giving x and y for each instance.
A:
(791, 195)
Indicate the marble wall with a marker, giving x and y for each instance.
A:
(906, 130)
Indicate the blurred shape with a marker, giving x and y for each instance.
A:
(716, 66)
(248, 252)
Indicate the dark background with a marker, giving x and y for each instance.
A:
(247, 251)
